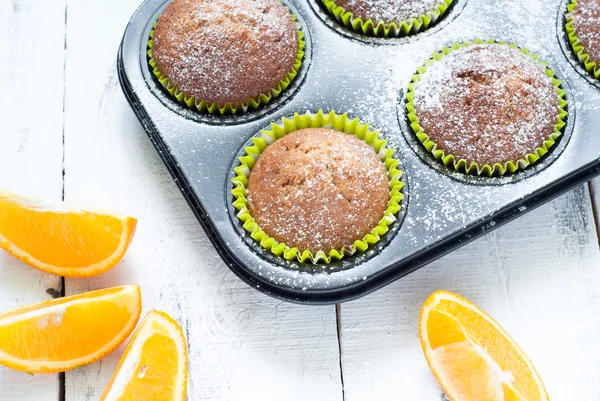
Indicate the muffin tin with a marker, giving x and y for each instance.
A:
(367, 78)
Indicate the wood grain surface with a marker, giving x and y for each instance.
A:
(65, 114)
(537, 276)
(31, 150)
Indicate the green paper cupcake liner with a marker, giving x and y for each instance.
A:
(319, 120)
(590, 66)
(386, 29)
(473, 168)
(228, 108)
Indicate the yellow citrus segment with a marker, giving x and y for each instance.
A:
(64, 333)
(154, 365)
(472, 356)
(61, 239)
(443, 329)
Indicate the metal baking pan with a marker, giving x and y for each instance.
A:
(367, 78)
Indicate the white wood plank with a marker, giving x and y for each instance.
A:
(538, 276)
(243, 345)
(32, 49)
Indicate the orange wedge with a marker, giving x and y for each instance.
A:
(154, 365)
(471, 356)
(65, 333)
(61, 239)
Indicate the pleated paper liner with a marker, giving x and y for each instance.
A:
(584, 59)
(462, 165)
(228, 109)
(382, 29)
(317, 120)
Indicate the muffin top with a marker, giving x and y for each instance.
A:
(387, 10)
(586, 23)
(486, 104)
(318, 189)
(225, 51)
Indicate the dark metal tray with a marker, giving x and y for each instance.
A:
(367, 77)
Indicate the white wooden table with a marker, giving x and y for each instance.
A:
(66, 132)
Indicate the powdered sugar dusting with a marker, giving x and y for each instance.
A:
(586, 22)
(368, 80)
(487, 104)
(388, 10)
(318, 189)
(225, 50)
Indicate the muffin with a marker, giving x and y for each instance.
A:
(485, 105)
(318, 189)
(225, 52)
(387, 17)
(583, 27)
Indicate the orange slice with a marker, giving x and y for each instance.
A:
(61, 239)
(65, 333)
(471, 356)
(154, 365)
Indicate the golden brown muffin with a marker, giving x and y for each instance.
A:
(486, 104)
(586, 25)
(387, 11)
(318, 189)
(225, 51)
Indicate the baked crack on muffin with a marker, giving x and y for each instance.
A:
(486, 104)
(225, 51)
(318, 189)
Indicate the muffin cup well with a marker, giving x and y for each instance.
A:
(318, 120)
(584, 59)
(228, 109)
(386, 29)
(462, 165)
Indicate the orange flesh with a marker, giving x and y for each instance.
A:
(64, 333)
(472, 357)
(154, 365)
(154, 377)
(61, 239)
(69, 232)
